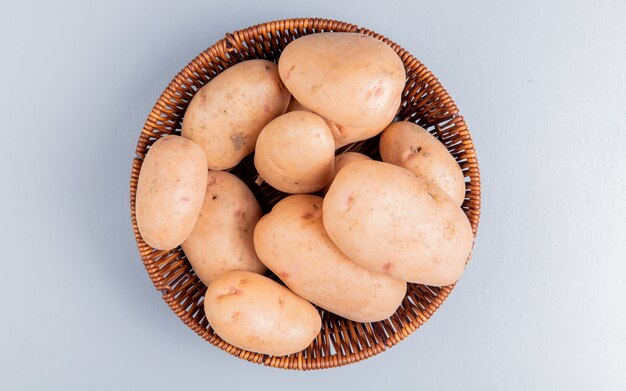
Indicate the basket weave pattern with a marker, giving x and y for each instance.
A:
(424, 102)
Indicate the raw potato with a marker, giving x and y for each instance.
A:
(410, 146)
(226, 115)
(295, 153)
(292, 242)
(170, 190)
(343, 135)
(352, 79)
(388, 220)
(342, 160)
(221, 240)
(257, 314)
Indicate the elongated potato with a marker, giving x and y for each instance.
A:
(254, 313)
(226, 115)
(410, 146)
(352, 79)
(343, 135)
(344, 159)
(295, 153)
(388, 220)
(170, 190)
(292, 242)
(221, 240)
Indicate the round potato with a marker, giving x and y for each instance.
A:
(227, 114)
(343, 135)
(344, 159)
(410, 146)
(170, 190)
(254, 313)
(390, 221)
(221, 240)
(292, 242)
(352, 79)
(295, 153)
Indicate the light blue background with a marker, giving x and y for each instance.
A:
(541, 306)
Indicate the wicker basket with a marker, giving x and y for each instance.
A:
(340, 341)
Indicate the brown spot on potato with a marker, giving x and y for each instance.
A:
(283, 275)
(242, 281)
(378, 91)
(235, 315)
(213, 196)
(435, 197)
(450, 230)
(413, 151)
(240, 213)
(281, 301)
(307, 215)
(386, 267)
(416, 149)
(288, 74)
(238, 140)
(350, 198)
(266, 108)
(211, 181)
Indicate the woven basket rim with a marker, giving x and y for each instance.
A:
(378, 335)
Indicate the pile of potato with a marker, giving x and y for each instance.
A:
(378, 226)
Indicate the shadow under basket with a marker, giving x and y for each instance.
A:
(424, 102)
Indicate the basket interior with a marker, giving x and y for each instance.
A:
(425, 102)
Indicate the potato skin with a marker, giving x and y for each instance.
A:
(254, 313)
(227, 114)
(344, 159)
(388, 220)
(343, 135)
(295, 153)
(221, 240)
(292, 242)
(352, 79)
(170, 190)
(410, 146)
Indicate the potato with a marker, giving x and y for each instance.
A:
(292, 242)
(342, 160)
(221, 240)
(170, 190)
(352, 79)
(227, 114)
(410, 146)
(254, 313)
(343, 135)
(390, 221)
(295, 153)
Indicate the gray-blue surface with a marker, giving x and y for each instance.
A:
(541, 85)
